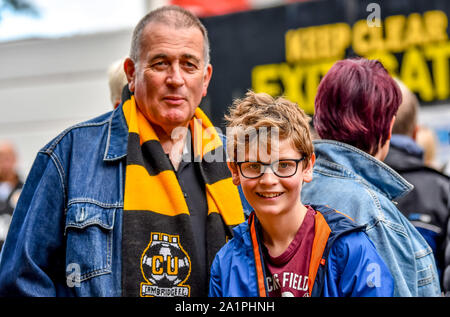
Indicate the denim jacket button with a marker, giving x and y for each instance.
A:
(82, 215)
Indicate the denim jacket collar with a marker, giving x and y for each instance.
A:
(116, 145)
(348, 161)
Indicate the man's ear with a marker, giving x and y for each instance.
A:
(308, 170)
(206, 79)
(234, 173)
(416, 130)
(130, 70)
(391, 127)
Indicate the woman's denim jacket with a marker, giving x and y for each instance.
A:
(362, 187)
(66, 234)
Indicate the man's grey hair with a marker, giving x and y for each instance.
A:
(174, 16)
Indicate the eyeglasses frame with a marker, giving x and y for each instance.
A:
(265, 165)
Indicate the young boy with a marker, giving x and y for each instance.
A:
(286, 248)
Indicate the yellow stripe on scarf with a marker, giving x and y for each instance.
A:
(202, 126)
(218, 196)
(137, 122)
(147, 192)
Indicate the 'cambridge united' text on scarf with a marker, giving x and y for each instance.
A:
(158, 249)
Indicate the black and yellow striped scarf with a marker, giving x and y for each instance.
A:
(158, 253)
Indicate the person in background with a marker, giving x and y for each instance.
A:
(110, 203)
(355, 109)
(446, 167)
(427, 140)
(427, 206)
(10, 186)
(117, 79)
(287, 249)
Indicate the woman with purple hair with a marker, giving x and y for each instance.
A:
(355, 109)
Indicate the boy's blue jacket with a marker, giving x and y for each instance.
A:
(344, 262)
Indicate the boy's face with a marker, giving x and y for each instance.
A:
(270, 194)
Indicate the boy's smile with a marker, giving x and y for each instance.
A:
(269, 195)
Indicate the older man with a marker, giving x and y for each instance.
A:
(130, 203)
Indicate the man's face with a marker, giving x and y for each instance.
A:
(170, 77)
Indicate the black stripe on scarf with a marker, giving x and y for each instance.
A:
(213, 172)
(150, 155)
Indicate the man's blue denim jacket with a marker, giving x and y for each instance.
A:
(66, 234)
(362, 187)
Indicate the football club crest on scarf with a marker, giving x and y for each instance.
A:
(165, 266)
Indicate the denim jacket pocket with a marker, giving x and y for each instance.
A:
(427, 279)
(88, 232)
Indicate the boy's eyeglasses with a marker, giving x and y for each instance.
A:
(281, 168)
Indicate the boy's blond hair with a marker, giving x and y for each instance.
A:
(260, 110)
